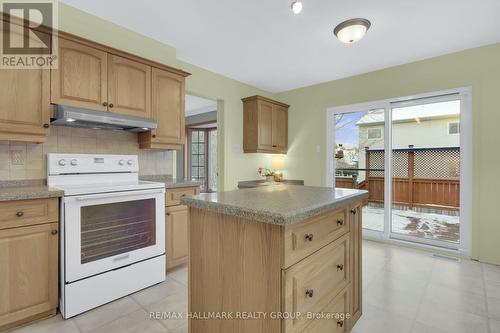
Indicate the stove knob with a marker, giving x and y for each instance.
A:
(121, 162)
(74, 162)
(62, 162)
(129, 162)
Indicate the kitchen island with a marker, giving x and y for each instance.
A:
(275, 259)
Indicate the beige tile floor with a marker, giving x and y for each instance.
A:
(405, 291)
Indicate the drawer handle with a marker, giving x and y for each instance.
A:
(353, 211)
(20, 214)
(104, 103)
(46, 125)
(309, 237)
(340, 267)
(183, 195)
(54, 232)
(340, 323)
(168, 214)
(111, 105)
(340, 222)
(309, 293)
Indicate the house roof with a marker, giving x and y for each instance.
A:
(414, 113)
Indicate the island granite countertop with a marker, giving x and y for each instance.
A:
(282, 205)
(27, 189)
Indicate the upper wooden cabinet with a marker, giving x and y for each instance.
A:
(129, 87)
(24, 103)
(81, 79)
(265, 125)
(167, 110)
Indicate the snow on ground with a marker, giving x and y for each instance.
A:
(409, 222)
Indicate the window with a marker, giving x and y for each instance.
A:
(454, 128)
(202, 157)
(374, 133)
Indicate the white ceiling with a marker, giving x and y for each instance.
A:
(262, 43)
(196, 105)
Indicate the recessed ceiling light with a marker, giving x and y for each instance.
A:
(296, 6)
(352, 30)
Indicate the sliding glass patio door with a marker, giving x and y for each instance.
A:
(413, 157)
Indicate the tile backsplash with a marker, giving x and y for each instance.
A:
(19, 160)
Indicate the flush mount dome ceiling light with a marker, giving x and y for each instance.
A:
(296, 6)
(352, 30)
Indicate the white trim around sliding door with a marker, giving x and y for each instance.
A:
(465, 96)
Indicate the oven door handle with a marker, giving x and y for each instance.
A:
(116, 195)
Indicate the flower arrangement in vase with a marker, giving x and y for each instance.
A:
(265, 172)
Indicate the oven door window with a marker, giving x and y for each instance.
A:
(117, 228)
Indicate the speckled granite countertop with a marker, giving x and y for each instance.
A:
(27, 189)
(170, 182)
(284, 204)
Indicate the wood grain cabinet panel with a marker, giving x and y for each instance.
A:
(29, 274)
(129, 87)
(24, 103)
(176, 236)
(20, 213)
(168, 97)
(265, 125)
(356, 257)
(81, 80)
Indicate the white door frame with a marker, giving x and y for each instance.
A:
(465, 96)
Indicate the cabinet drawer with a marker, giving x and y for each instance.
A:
(334, 318)
(311, 284)
(305, 238)
(173, 196)
(28, 212)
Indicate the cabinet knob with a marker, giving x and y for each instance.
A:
(309, 237)
(340, 267)
(54, 232)
(340, 222)
(154, 135)
(168, 214)
(104, 103)
(274, 146)
(20, 214)
(353, 211)
(46, 125)
(340, 323)
(309, 293)
(111, 105)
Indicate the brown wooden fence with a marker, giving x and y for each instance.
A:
(442, 192)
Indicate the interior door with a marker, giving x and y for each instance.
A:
(129, 87)
(81, 80)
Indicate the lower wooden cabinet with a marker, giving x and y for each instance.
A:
(28, 274)
(176, 236)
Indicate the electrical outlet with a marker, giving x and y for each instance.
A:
(17, 157)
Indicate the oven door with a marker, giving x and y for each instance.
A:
(106, 231)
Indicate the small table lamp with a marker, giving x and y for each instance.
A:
(278, 164)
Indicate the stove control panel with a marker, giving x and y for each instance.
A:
(91, 163)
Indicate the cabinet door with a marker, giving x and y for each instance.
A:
(129, 87)
(24, 103)
(280, 129)
(265, 125)
(356, 239)
(28, 278)
(81, 78)
(176, 236)
(168, 108)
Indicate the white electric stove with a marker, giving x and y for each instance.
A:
(112, 229)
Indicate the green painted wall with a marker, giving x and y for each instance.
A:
(478, 68)
(233, 164)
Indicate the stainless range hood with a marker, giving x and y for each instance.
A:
(77, 117)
